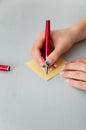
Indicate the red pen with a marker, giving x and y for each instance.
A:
(4, 68)
(47, 42)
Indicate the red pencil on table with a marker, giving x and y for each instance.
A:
(47, 42)
(4, 68)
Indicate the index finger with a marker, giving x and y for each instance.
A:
(36, 50)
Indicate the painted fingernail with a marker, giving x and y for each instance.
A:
(61, 73)
(48, 63)
(42, 66)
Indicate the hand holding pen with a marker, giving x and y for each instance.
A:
(61, 41)
(47, 43)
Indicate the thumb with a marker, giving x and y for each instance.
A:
(52, 58)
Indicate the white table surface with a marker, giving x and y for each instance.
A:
(27, 102)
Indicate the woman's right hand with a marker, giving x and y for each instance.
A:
(61, 41)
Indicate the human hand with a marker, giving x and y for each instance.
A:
(61, 41)
(75, 72)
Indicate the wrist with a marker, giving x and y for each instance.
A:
(78, 31)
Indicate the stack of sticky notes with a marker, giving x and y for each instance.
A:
(36, 68)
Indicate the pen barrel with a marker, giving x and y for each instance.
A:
(4, 68)
(47, 38)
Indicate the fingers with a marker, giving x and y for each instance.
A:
(79, 66)
(80, 59)
(37, 56)
(53, 57)
(75, 72)
(77, 84)
(36, 49)
(78, 75)
(37, 53)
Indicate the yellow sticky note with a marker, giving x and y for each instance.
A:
(36, 68)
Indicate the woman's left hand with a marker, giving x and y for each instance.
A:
(75, 72)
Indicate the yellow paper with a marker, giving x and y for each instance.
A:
(36, 68)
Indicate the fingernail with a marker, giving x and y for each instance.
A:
(67, 80)
(42, 66)
(61, 73)
(48, 63)
(55, 65)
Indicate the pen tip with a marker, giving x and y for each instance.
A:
(47, 70)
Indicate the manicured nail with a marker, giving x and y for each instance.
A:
(48, 63)
(61, 73)
(42, 66)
